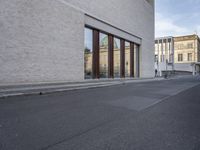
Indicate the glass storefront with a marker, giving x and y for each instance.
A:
(103, 55)
(106, 56)
(127, 59)
(88, 56)
(116, 59)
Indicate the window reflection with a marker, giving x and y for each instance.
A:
(103, 56)
(99, 56)
(88, 53)
(127, 59)
(116, 57)
(135, 61)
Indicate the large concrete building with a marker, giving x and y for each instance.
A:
(164, 54)
(180, 54)
(73, 40)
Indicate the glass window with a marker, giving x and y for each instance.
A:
(103, 56)
(167, 46)
(156, 58)
(99, 41)
(156, 49)
(181, 46)
(161, 58)
(190, 45)
(88, 41)
(116, 58)
(159, 48)
(189, 56)
(127, 59)
(180, 57)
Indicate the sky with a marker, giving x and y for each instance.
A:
(177, 17)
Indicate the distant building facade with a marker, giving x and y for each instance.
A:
(180, 54)
(164, 54)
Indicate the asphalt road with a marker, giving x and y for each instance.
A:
(159, 115)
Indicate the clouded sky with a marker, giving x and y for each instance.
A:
(177, 17)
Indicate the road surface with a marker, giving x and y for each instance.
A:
(158, 115)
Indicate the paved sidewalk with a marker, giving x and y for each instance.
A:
(45, 88)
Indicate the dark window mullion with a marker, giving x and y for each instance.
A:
(122, 58)
(95, 63)
(110, 56)
(132, 60)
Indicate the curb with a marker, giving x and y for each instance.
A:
(52, 89)
(49, 91)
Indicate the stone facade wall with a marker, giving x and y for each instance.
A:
(38, 42)
(181, 47)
